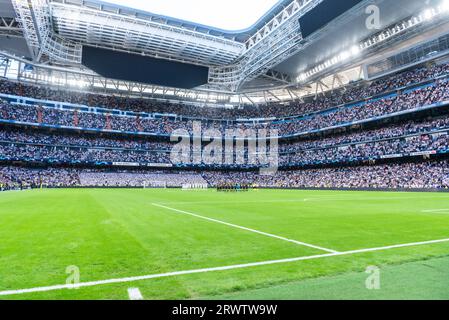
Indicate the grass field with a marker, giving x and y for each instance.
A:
(173, 244)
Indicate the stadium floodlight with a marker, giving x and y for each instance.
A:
(355, 50)
(427, 14)
(302, 77)
(77, 83)
(345, 55)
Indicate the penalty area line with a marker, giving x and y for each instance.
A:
(246, 229)
(206, 270)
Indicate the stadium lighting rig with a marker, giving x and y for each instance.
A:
(241, 76)
(357, 49)
(343, 56)
(68, 82)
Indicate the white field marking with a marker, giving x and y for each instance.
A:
(206, 270)
(227, 202)
(356, 199)
(134, 294)
(436, 211)
(300, 200)
(372, 198)
(246, 229)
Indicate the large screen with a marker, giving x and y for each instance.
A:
(142, 69)
(324, 13)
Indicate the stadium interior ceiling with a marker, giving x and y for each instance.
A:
(45, 42)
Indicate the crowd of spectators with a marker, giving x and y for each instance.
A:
(423, 96)
(353, 92)
(359, 92)
(391, 131)
(12, 178)
(139, 179)
(437, 92)
(431, 144)
(400, 139)
(438, 143)
(89, 140)
(82, 140)
(48, 154)
(406, 78)
(426, 175)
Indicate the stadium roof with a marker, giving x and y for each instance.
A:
(273, 58)
(225, 16)
(348, 32)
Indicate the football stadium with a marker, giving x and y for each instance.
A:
(224, 150)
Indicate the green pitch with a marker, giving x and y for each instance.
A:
(272, 244)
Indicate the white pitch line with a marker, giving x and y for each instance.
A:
(246, 229)
(320, 199)
(134, 294)
(436, 211)
(198, 271)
